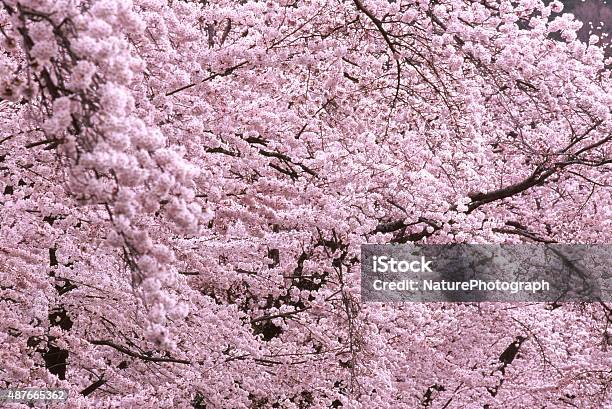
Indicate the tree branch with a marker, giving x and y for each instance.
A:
(133, 354)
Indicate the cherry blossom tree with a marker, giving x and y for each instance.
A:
(186, 186)
(596, 16)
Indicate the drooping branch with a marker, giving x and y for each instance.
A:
(395, 55)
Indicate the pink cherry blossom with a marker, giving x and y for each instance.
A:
(185, 187)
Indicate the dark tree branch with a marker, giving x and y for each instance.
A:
(224, 73)
(133, 354)
(92, 388)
